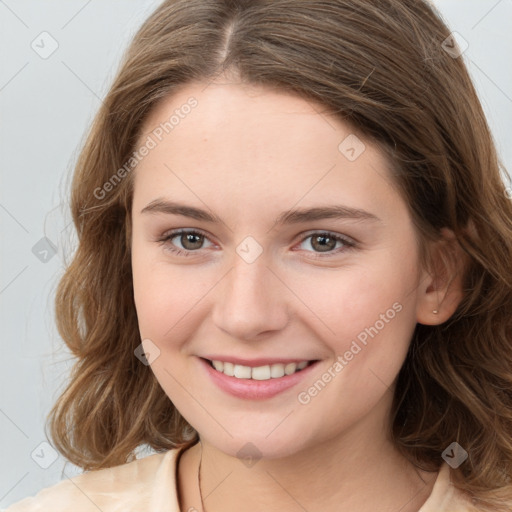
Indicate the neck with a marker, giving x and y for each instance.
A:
(354, 471)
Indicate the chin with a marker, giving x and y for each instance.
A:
(253, 446)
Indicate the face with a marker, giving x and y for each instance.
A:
(264, 234)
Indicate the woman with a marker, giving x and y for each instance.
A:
(293, 276)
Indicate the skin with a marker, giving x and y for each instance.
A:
(247, 154)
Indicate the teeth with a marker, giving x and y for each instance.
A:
(218, 365)
(274, 371)
(290, 368)
(261, 373)
(228, 369)
(242, 372)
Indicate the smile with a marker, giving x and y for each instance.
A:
(256, 382)
(266, 372)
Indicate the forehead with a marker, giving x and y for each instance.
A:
(249, 141)
(235, 115)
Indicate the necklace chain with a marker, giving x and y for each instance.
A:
(199, 478)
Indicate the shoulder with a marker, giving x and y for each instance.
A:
(138, 485)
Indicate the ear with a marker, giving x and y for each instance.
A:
(441, 286)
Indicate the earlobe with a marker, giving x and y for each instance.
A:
(441, 288)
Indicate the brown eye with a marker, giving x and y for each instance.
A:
(323, 243)
(191, 241)
(328, 243)
(184, 242)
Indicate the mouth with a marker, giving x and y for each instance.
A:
(263, 372)
(260, 382)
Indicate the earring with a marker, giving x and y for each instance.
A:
(435, 311)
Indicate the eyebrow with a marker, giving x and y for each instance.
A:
(288, 217)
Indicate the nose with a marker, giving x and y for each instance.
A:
(251, 301)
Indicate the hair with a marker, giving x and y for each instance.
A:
(381, 67)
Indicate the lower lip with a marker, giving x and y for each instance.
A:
(255, 389)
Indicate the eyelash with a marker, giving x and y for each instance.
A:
(166, 241)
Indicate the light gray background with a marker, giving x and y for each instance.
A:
(46, 106)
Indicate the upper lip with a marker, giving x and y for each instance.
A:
(260, 361)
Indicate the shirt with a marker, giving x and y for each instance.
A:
(149, 485)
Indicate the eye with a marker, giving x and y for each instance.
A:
(193, 240)
(190, 240)
(326, 242)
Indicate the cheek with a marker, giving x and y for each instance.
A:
(362, 302)
(368, 318)
(166, 297)
(373, 319)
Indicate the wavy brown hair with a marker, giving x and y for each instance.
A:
(380, 66)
